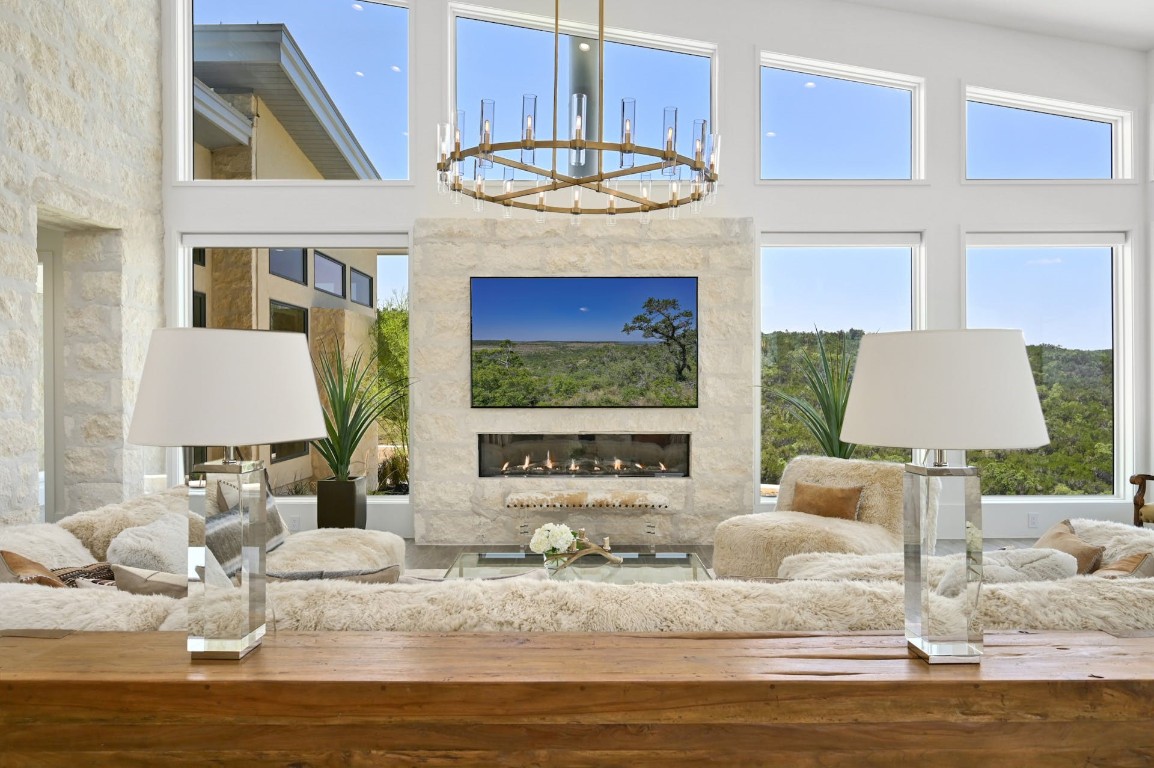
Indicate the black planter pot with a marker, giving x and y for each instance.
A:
(341, 503)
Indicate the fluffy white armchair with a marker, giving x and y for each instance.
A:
(753, 546)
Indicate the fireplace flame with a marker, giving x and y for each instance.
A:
(505, 467)
(525, 466)
(573, 465)
(663, 467)
(548, 460)
(616, 465)
(639, 466)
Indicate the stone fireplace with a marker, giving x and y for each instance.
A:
(486, 476)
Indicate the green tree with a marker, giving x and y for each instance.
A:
(392, 353)
(665, 319)
(500, 378)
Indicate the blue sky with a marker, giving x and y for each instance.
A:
(359, 50)
(569, 308)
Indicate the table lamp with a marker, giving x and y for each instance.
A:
(943, 390)
(218, 387)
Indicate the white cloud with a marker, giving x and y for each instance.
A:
(584, 309)
(358, 7)
(395, 68)
(1045, 262)
(360, 74)
(811, 84)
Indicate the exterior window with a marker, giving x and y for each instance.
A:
(198, 257)
(1062, 298)
(328, 274)
(829, 121)
(199, 310)
(289, 263)
(485, 49)
(835, 290)
(360, 287)
(286, 317)
(329, 83)
(1012, 136)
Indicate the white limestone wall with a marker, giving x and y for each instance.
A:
(80, 150)
(452, 505)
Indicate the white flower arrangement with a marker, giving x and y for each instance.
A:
(552, 539)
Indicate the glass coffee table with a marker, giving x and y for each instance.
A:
(635, 568)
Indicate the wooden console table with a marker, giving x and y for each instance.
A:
(358, 699)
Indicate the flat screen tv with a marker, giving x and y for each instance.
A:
(584, 342)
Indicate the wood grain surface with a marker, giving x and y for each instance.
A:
(358, 699)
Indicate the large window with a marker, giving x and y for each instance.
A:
(300, 89)
(1063, 300)
(360, 288)
(1010, 136)
(828, 121)
(285, 317)
(841, 292)
(503, 62)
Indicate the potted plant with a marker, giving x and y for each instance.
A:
(353, 401)
(828, 379)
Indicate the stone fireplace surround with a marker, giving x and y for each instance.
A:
(454, 506)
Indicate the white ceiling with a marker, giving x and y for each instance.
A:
(1126, 23)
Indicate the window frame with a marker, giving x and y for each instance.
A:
(181, 164)
(285, 305)
(1122, 326)
(1121, 132)
(304, 265)
(866, 76)
(354, 271)
(317, 254)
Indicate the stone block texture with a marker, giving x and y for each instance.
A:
(453, 506)
(80, 151)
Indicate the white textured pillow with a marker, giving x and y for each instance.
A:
(46, 543)
(1010, 565)
(162, 545)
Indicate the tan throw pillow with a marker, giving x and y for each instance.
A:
(1139, 566)
(827, 500)
(386, 575)
(17, 569)
(140, 581)
(1062, 538)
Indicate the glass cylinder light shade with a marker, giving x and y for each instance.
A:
(506, 188)
(713, 153)
(578, 128)
(479, 186)
(528, 127)
(628, 131)
(485, 158)
(699, 142)
(444, 148)
(455, 174)
(645, 189)
(669, 141)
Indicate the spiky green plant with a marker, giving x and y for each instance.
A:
(828, 378)
(355, 400)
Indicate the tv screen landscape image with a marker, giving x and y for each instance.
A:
(584, 342)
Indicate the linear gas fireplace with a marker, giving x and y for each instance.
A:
(583, 455)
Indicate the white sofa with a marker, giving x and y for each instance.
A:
(532, 605)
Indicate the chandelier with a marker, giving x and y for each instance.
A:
(689, 180)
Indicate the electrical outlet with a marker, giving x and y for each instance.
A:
(294, 523)
(1031, 519)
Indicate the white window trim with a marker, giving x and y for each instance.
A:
(1121, 123)
(915, 85)
(567, 27)
(919, 287)
(176, 62)
(1123, 328)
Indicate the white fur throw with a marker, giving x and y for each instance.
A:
(46, 543)
(337, 549)
(1120, 540)
(162, 545)
(98, 527)
(25, 606)
(1010, 565)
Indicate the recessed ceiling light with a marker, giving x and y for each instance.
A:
(811, 84)
(584, 46)
(395, 68)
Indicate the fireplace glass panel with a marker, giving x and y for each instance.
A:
(583, 455)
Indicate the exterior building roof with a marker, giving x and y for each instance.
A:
(264, 59)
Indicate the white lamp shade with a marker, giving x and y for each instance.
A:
(203, 386)
(968, 389)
